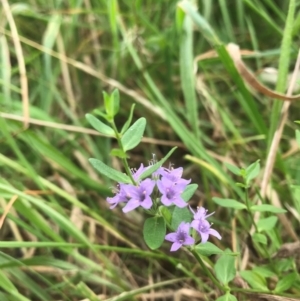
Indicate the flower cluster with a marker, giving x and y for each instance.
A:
(166, 185)
(167, 181)
(200, 224)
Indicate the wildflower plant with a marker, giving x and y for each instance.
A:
(164, 194)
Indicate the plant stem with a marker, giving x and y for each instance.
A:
(207, 271)
(124, 160)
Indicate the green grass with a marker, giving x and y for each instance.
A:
(60, 241)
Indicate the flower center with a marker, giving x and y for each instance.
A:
(170, 193)
(204, 226)
(181, 236)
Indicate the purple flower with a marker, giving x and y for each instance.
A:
(119, 197)
(137, 173)
(171, 193)
(139, 195)
(201, 213)
(180, 237)
(203, 227)
(174, 175)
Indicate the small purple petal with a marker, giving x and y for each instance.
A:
(119, 197)
(215, 233)
(179, 202)
(165, 201)
(204, 237)
(171, 237)
(147, 203)
(189, 240)
(184, 227)
(131, 205)
(175, 246)
(136, 173)
(195, 224)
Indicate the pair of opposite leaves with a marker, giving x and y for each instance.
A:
(235, 54)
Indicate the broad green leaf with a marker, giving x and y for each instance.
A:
(267, 224)
(109, 172)
(154, 232)
(260, 238)
(286, 282)
(133, 136)
(189, 192)
(128, 121)
(229, 203)
(235, 170)
(180, 215)
(298, 137)
(255, 280)
(285, 264)
(149, 171)
(99, 125)
(252, 171)
(227, 297)
(225, 268)
(208, 249)
(267, 208)
(264, 271)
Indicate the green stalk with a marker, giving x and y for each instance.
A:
(284, 61)
(124, 160)
(207, 271)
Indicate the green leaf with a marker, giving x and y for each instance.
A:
(285, 264)
(298, 137)
(106, 98)
(115, 102)
(208, 249)
(116, 152)
(6, 284)
(286, 282)
(99, 125)
(179, 18)
(252, 171)
(180, 215)
(109, 172)
(127, 123)
(260, 238)
(133, 136)
(235, 170)
(157, 165)
(225, 268)
(229, 203)
(267, 224)
(227, 297)
(101, 114)
(189, 192)
(255, 280)
(264, 271)
(165, 212)
(154, 232)
(267, 208)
